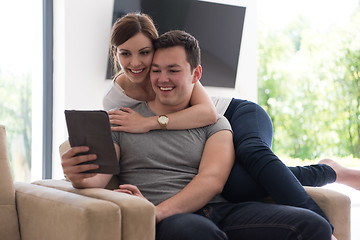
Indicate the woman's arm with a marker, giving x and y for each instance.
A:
(201, 113)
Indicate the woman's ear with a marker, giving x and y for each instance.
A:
(114, 50)
(197, 74)
(116, 60)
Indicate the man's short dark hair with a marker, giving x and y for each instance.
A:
(180, 38)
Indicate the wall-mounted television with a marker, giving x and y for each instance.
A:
(217, 26)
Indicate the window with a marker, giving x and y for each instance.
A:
(308, 74)
(21, 85)
(308, 77)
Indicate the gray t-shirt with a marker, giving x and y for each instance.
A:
(161, 163)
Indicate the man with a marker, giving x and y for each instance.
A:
(183, 172)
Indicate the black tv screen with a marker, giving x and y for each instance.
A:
(218, 27)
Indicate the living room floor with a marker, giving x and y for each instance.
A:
(355, 206)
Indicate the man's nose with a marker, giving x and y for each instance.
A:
(163, 77)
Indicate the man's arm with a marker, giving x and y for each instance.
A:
(215, 166)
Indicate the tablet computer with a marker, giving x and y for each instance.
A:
(92, 129)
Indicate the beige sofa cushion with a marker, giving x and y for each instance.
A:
(137, 214)
(9, 228)
(337, 208)
(51, 214)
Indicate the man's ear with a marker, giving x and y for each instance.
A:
(197, 74)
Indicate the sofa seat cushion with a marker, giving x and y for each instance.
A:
(47, 213)
(137, 214)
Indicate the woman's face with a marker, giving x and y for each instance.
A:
(135, 57)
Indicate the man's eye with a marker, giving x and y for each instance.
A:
(174, 71)
(155, 70)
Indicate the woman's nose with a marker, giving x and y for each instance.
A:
(135, 61)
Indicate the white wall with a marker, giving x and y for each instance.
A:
(81, 35)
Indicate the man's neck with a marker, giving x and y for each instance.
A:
(158, 108)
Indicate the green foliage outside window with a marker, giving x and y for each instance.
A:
(15, 115)
(309, 83)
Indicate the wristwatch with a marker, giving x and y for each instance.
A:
(163, 120)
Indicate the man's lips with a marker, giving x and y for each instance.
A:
(167, 88)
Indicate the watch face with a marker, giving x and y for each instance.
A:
(163, 119)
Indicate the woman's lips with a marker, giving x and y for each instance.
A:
(136, 71)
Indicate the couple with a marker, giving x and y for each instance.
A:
(184, 172)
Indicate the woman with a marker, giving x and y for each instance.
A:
(257, 173)
(132, 84)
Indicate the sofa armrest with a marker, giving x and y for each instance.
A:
(336, 206)
(46, 213)
(137, 215)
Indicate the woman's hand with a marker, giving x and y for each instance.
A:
(70, 163)
(130, 121)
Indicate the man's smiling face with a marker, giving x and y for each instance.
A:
(171, 77)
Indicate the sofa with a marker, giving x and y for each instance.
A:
(53, 209)
(39, 212)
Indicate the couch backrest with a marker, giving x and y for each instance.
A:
(9, 227)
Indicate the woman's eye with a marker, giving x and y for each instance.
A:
(144, 53)
(125, 54)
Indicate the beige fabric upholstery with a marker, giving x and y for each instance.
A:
(34, 212)
(137, 215)
(64, 147)
(9, 228)
(47, 213)
(337, 208)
